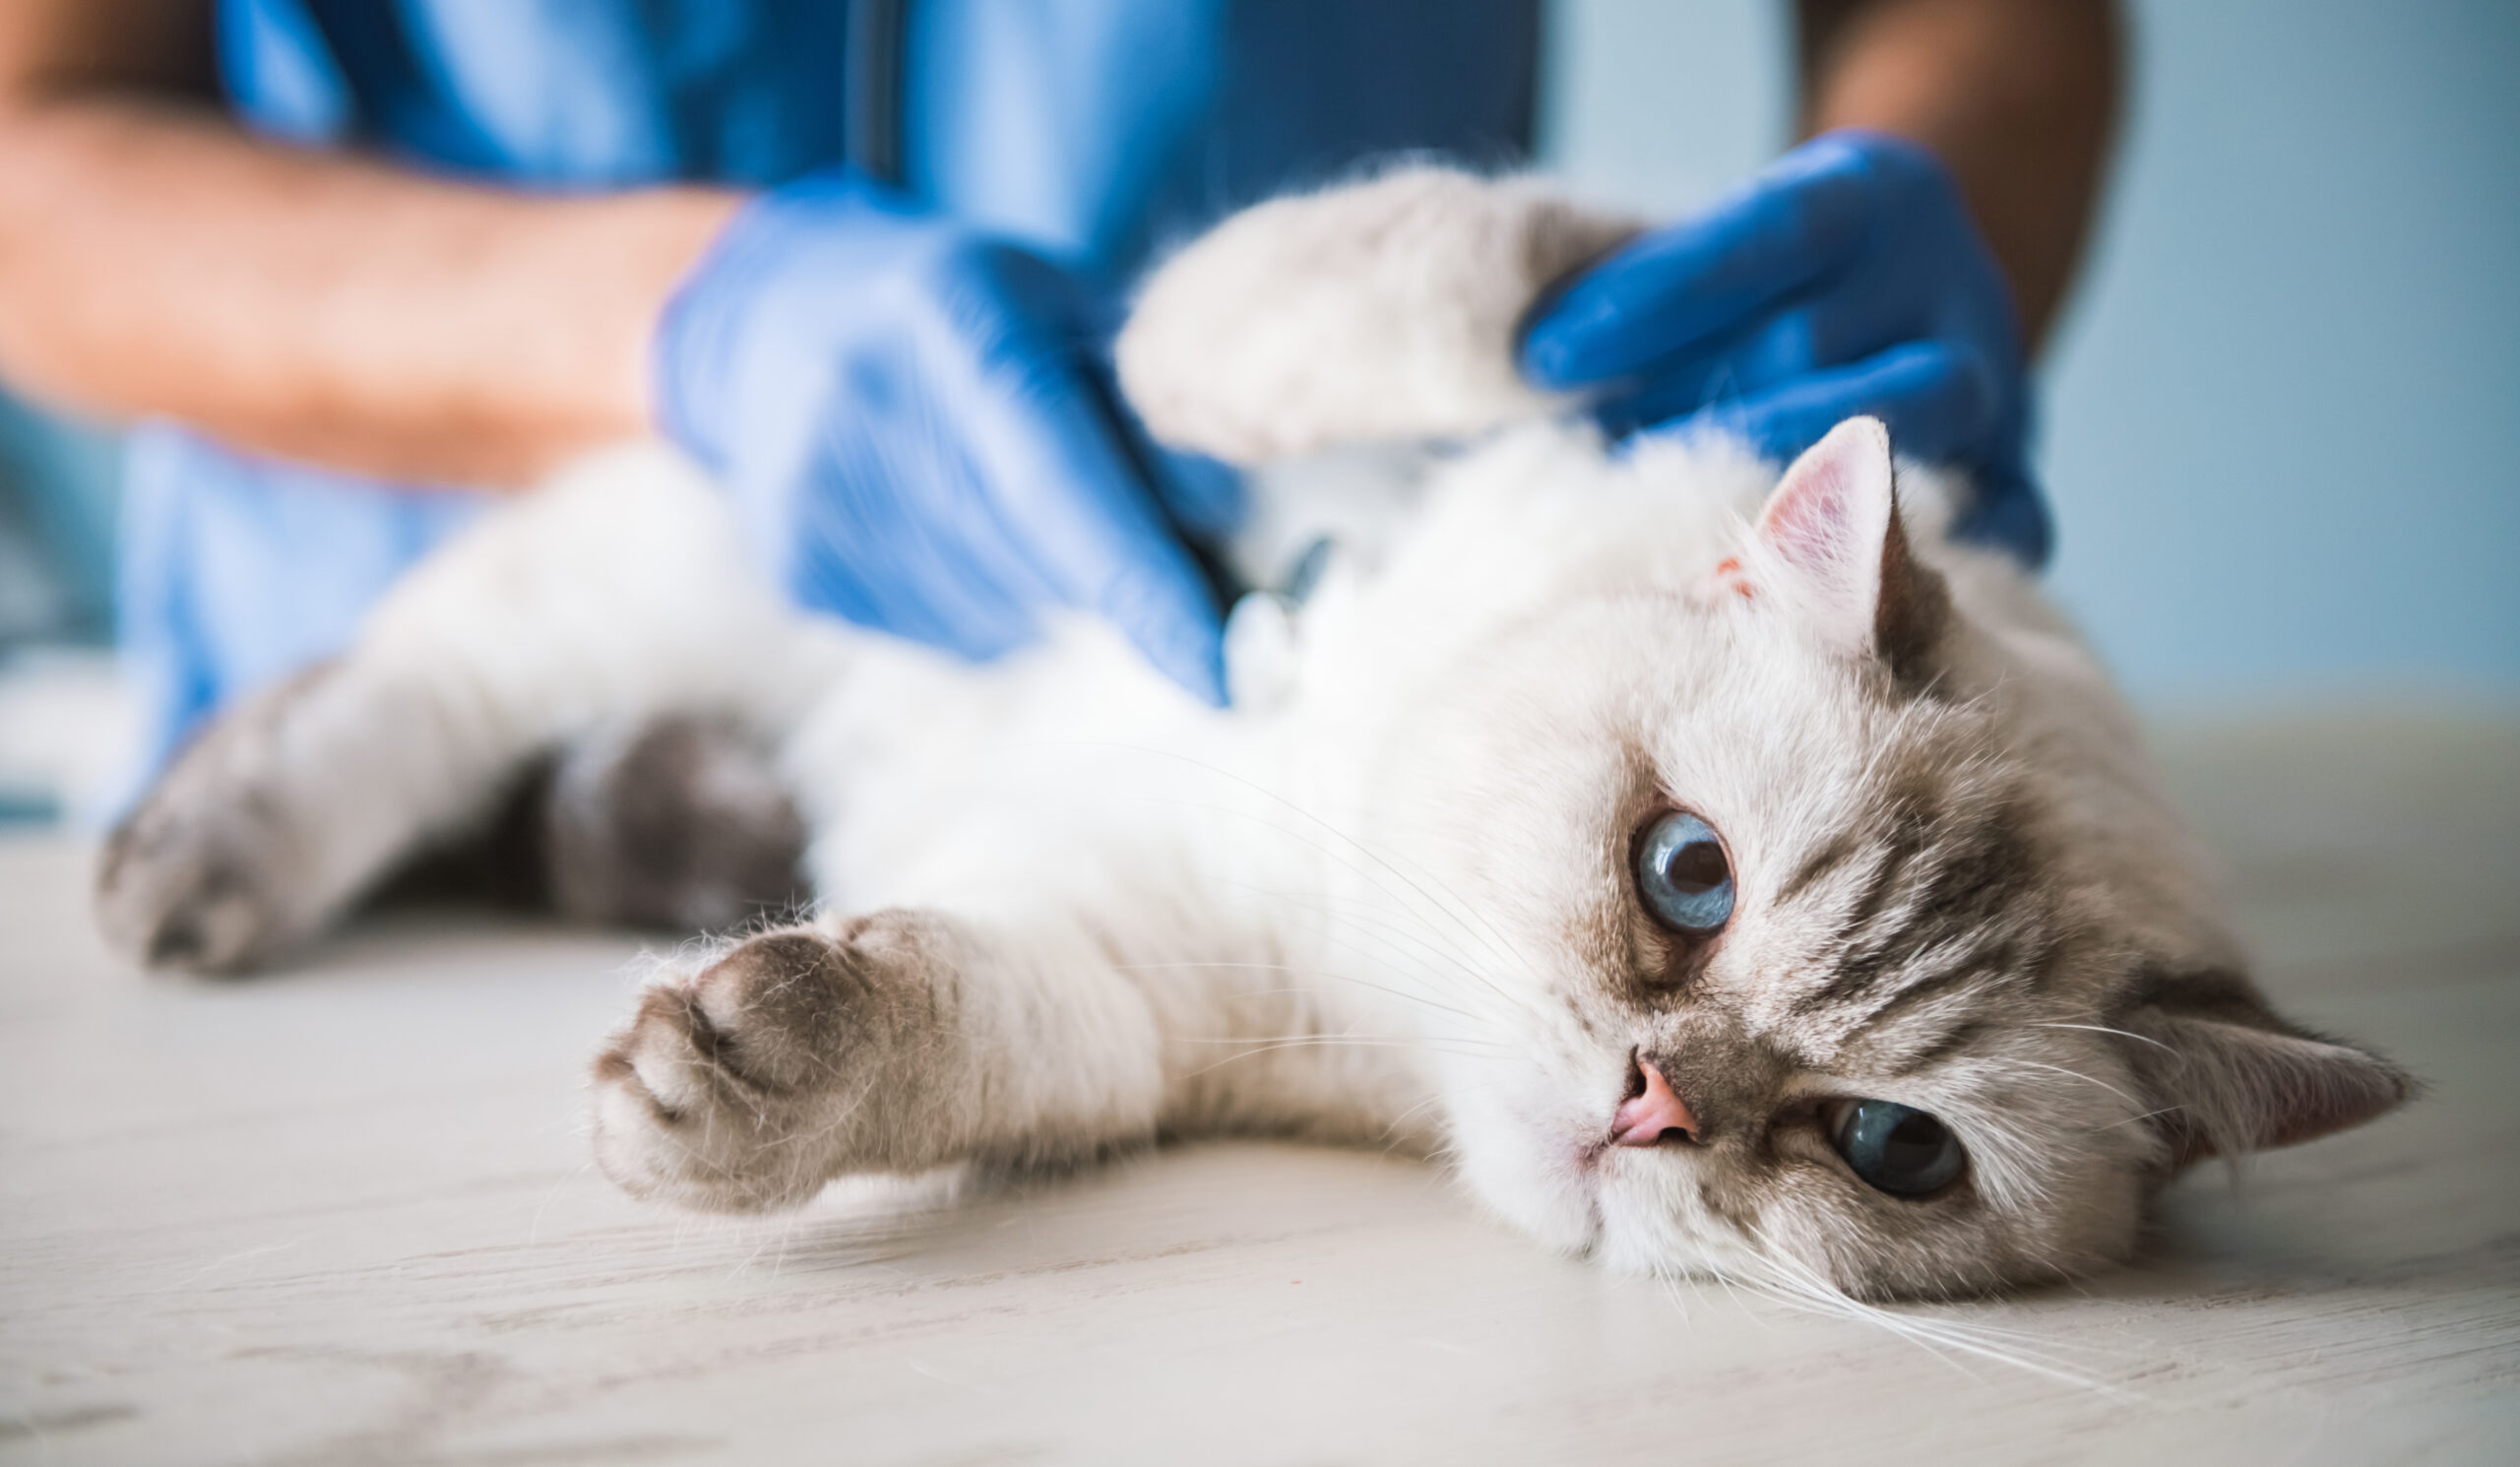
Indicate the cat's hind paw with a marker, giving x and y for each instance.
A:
(204, 873)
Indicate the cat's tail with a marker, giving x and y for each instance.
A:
(1381, 311)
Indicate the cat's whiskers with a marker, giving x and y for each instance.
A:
(1401, 974)
(1470, 919)
(1290, 1041)
(1318, 1041)
(1448, 966)
(1391, 1130)
(1437, 961)
(2015, 1060)
(1466, 963)
(2140, 1120)
(1456, 954)
(2121, 1034)
(1670, 1288)
(1305, 972)
(1434, 982)
(1427, 933)
(1793, 1280)
(1444, 976)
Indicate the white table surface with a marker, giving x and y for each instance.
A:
(344, 1214)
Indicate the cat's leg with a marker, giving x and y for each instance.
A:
(1378, 313)
(907, 1039)
(256, 829)
(895, 1041)
(617, 594)
(677, 822)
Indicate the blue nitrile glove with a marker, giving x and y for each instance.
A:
(912, 422)
(1847, 278)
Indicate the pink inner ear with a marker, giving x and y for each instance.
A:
(1826, 522)
(1812, 524)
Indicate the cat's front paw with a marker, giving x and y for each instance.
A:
(795, 1057)
(205, 871)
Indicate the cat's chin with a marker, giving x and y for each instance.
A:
(1645, 1230)
(1547, 1187)
(1570, 1223)
(1579, 1195)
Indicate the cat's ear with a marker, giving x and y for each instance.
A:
(1834, 539)
(2222, 1074)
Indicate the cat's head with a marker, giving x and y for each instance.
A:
(1824, 936)
(1837, 877)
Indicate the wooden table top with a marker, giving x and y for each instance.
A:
(346, 1214)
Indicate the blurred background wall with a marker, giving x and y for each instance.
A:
(2283, 418)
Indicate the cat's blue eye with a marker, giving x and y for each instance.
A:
(1682, 875)
(1897, 1149)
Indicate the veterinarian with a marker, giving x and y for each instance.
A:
(355, 263)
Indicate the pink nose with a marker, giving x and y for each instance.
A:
(1644, 1118)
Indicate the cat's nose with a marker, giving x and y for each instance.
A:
(1654, 1112)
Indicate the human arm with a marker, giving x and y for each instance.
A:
(157, 259)
(2017, 97)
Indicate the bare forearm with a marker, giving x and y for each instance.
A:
(2019, 98)
(157, 261)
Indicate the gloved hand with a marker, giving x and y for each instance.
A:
(916, 434)
(1847, 278)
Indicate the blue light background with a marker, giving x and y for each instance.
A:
(2283, 416)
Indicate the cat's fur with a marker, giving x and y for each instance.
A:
(1389, 897)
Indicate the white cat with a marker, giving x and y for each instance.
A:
(1725, 873)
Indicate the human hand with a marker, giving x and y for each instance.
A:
(1847, 278)
(913, 434)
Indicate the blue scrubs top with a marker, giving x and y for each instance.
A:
(1093, 130)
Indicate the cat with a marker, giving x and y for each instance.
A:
(1726, 871)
